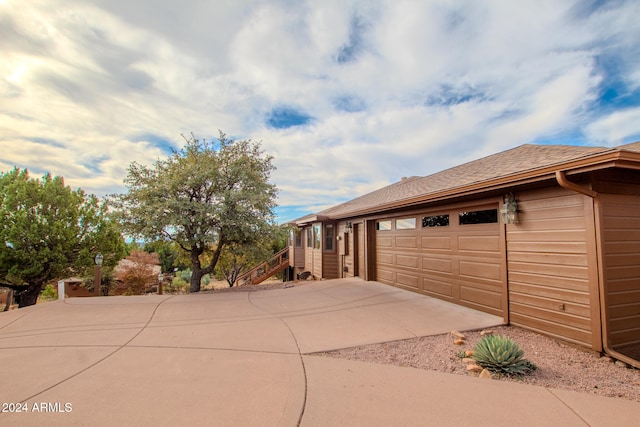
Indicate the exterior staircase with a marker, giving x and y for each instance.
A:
(264, 270)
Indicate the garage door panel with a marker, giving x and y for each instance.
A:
(384, 242)
(479, 243)
(443, 288)
(385, 276)
(436, 242)
(473, 295)
(407, 261)
(440, 265)
(407, 280)
(480, 270)
(407, 242)
(385, 258)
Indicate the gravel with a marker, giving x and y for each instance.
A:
(559, 364)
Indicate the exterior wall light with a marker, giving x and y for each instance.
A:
(348, 227)
(509, 210)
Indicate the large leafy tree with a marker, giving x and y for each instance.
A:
(203, 197)
(48, 231)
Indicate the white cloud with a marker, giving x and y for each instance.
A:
(392, 88)
(615, 128)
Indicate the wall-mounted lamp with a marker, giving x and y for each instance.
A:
(509, 210)
(348, 227)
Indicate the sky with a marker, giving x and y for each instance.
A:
(348, 96)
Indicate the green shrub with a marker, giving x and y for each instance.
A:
(49, 293)
(178, 285)
(501, 355)
(185, 274)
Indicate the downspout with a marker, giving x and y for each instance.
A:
(565, 183)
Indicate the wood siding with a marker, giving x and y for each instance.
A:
(463, 264)
(552, 266)
(621, 265)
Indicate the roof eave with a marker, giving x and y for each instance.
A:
(309, 219)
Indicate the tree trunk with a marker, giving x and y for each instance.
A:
(29, 296)
(196, 278)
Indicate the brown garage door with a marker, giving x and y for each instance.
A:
(455, 255)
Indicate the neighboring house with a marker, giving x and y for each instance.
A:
(567, 265)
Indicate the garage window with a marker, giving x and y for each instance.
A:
(383, 225)
(435, 221)
(405, 224)
(487, 216)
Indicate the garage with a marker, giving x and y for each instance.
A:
(453, 254)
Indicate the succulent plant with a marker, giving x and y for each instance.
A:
(501, 355)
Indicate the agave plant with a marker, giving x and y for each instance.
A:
(501, 355)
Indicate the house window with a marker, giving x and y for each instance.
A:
(298, 239)
(435, 221)
(405, 224)
(487, 216)
(383, 225)
(317, 236)
(329, 237)
(309, 238)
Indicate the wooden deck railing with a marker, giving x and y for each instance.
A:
(266, 269)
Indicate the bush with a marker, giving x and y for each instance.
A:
(49, 293)
(138, 273)
(501, 355)
(178, 286)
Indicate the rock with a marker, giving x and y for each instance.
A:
(474, 368)
(485, 374)
(486, 332)
(458, 334)
(468, 360)
(458, 341)
(468, 353)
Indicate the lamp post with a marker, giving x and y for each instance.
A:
(97, 280)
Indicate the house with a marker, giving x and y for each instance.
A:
(545, 236)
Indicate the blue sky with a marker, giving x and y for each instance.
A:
(348, 96)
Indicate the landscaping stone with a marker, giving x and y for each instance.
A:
(474, 368)
(485, 374)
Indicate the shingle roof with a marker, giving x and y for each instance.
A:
(516, 161)
(634, 146)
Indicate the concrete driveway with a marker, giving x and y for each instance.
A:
(244, 359)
